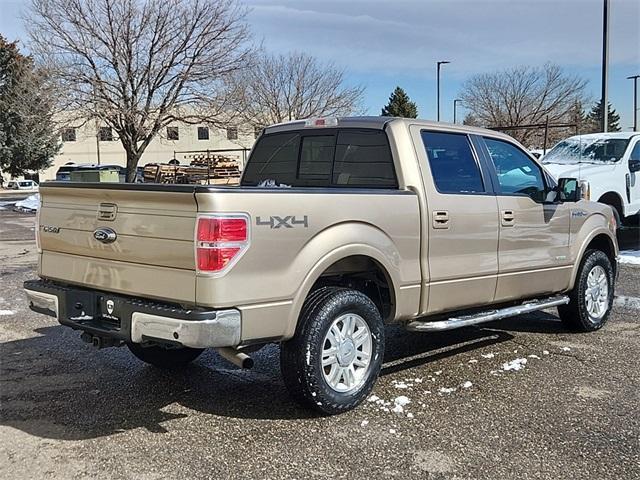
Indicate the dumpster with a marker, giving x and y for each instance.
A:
(109, 174)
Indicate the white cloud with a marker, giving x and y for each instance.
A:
(409, 35)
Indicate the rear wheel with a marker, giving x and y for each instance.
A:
(335, 357)
(591, 299)
(166, 358)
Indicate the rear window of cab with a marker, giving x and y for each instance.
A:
(347, 158)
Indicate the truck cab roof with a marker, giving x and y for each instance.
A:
(380, 123)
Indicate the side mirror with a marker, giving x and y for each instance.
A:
(634, 165)
(569, 189)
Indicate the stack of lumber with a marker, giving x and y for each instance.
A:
(214, 170)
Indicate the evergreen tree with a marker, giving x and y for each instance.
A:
(595, 115)
(28, 138)
(400, 105)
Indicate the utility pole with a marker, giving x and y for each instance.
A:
(98, 139)
(635, 100)
(604, 100)
(442, 62)
(455, 105)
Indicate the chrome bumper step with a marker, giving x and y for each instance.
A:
(488, 316)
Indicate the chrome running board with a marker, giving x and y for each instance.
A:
(488, 316)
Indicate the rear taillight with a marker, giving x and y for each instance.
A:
(220, 241)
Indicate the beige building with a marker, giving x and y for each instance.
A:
(93, 144)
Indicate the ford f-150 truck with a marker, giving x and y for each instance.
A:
(339, 226)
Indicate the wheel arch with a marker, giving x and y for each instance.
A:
(602, 240)
(351, 266)
(614, 200)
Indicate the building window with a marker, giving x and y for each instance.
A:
(232, 133)
(172, 133)
(68, 134)
(203, 133)
(105, 134)
(257, 131)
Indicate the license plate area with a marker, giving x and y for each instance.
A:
(109, 312)
(93, 310)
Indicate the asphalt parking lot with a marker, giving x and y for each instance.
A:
(521, 398)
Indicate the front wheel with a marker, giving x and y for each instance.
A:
(591, 299)
(166, 358)
(333, 361)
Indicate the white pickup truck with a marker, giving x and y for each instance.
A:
(608, 162)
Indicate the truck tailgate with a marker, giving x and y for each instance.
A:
(152, 255)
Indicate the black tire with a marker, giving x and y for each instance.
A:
(165, 358)
(301, 357)
(575, 314)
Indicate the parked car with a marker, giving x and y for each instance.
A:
(339, 227)
(608, 162)
(64, 172)
(26, 185)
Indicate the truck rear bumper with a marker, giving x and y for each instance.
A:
(132, 319)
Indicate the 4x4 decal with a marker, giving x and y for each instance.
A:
(289, 221)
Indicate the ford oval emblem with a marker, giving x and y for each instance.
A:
(105, 235)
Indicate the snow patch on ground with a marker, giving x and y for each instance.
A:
(488, 355)
(631, 257)
(401, 400)
(517, 364)
(7, 312)
(627, 302)
(29, 204)
(447, 390)
(467, 384)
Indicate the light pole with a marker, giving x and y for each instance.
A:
(455, 105)
(635, 100)
(442, 62)
(604, 101)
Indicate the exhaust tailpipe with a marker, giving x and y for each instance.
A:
(232, 355)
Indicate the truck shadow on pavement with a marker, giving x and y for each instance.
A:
(54, 386)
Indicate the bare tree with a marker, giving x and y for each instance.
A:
(139, 65)
(522, 96)
(279, 88)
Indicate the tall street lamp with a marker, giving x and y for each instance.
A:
(455, 107)
(635, 100)
(604, 101)
(442, 62)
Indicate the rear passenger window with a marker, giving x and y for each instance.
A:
(453, 166)
(274, 158)
(363, 159)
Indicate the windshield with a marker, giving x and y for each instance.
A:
(587, 150)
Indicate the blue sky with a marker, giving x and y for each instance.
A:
(384, 43)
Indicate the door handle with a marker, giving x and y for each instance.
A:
(508, 218)
(441, 219)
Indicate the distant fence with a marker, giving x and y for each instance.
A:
(538, 126)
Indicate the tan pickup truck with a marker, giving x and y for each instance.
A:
(339, 227)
